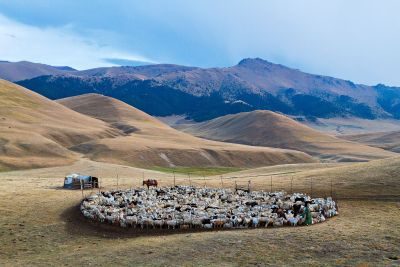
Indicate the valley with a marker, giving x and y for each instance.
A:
(108, 130)
(42, 140)
(199, 133)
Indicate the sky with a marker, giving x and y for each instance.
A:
(357, 40)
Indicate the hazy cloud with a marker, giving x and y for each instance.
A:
(357, 40)
(127, 62)
(55, 46)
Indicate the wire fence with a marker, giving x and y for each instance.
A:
(272, 182)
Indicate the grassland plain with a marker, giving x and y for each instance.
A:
(198, 171)
(40, 224)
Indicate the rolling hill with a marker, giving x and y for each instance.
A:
(350, 125)
(386, 140)
(147, 142)
(36, 132)
(22, 70)
(267, 128)
(206, 93)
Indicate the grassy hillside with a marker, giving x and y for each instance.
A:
(197, 171)
(266, 128)
(148, 142)
(386, 140)
(36, 132)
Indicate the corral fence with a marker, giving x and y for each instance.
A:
(265, 182)
(290, 182)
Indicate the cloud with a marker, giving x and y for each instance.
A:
(56, 46)
(127, 62)
(357, 40)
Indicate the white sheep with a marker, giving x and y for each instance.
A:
(184, 207)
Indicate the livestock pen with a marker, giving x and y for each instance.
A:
(186, 207)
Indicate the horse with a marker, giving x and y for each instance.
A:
(150, 182)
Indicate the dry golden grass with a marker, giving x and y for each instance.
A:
(36, 132)
(267, 128)
(40, 225)
(389, 140)
(352, 125)
(148, 142)
(377, 178)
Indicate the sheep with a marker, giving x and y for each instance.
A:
(207, 226)
(131, 221)
(158, 223)
(190, 207)
(264, 221)
(278, 222)
(255, 222)
(247, 221)
(293, 220)
(197, 223)
(315, 214)
(171, 224)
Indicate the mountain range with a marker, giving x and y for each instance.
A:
(205, 93)
(22, 70)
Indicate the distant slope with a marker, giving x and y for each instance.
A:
(36, 132)
(207, 93)
(385, 140)
(349, 125)
(112, 111)
(376, 179)
(266, 128)
(17, 71)
(149, 142)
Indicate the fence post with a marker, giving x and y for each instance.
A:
(174, 178)
(91, 191)
(205, 183)
(142, 179)
(271, 185)
(190, 181)
(291, 185)
(331, 189)
(222, 184)
(117, 182)
(81, 186)
(311, 193)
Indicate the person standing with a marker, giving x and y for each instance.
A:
(307, 214)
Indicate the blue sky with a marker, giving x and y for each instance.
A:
(357, 40)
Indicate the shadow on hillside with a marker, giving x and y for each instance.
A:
(77, 224)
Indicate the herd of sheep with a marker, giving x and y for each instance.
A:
(183, 207)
